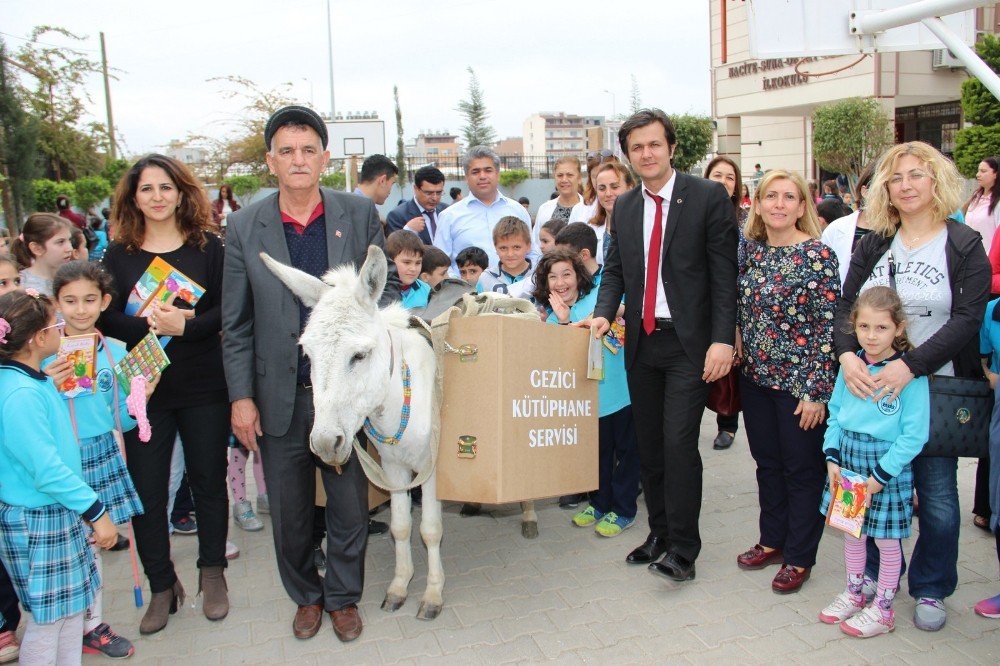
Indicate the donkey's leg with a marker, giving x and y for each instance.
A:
(400, 524)
(431, 531)
(529, 520)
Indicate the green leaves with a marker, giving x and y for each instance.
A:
(849, 134)
(982, 109)
(476, 131)
(694, 138)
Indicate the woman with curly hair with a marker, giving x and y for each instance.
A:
(160, 211)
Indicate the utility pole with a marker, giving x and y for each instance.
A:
(329, 44)
(107, 101)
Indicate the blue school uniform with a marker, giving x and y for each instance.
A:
(499, 280)
(880, 438)
(989, 345)
(93, 417)
(42, 498)
(417, 295)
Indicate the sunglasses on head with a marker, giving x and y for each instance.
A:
(593, 155)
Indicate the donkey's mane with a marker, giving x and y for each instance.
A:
(345, 279)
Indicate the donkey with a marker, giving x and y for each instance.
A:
(362, 359)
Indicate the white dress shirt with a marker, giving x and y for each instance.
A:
(662, 310)
(470, 223)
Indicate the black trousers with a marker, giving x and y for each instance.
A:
(290, 469)
(668, 401)
(981, 497)
(618, 464)
(791, 472)
(10, 614)
(204, 430)
(729, 423)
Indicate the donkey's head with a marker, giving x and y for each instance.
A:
(348, 348)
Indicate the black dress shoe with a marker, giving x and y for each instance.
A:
(649, 551)
(674, 567)
(377, 527)
(723, 440)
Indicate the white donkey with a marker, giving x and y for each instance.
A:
(369, 369)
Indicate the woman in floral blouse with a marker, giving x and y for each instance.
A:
(788, 288)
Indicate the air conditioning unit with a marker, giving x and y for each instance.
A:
(943, 59)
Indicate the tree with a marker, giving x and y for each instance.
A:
(476, 131)
(244, 187)
(71, 148)
(635, 99)
(114, 170)
(694, 138)
(47, 191)
(90, 191)
(849, 134)
(18, 148)
(335, 180)
(400, 144)
(981, 108)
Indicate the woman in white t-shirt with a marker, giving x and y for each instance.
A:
(567, 175)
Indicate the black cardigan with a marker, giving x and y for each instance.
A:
(969, 274)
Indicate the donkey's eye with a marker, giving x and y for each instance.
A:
(359, 356)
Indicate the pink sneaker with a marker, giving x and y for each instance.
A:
(989, 608)
(843, 607)
(868, 623)
(9, 647)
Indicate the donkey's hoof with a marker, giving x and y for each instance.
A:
(428, 611)
(529, 529)
(392, 602)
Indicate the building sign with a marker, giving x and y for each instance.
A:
(771, 65)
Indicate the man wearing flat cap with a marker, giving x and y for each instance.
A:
(313, 229)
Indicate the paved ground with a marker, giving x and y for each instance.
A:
(569, 597)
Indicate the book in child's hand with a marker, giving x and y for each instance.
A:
(847, 507)
(81, 352)
(146, 359)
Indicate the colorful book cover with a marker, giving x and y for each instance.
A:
(847, 508)
(81, 351)
(147, 359)
(157, 284)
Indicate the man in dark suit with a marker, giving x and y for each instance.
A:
(673, 257)
(419, 214)
(313, 229)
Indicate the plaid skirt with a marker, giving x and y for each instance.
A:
(49, 560)
(105, 472)
(891, 510)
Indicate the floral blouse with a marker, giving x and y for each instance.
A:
(787, 298)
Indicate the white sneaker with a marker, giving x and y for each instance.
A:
(930, 614)
(841, 608)
(244, 516)
(868, 623)
(232, 551)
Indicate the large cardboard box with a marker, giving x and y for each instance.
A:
(519, 416)
(376, 496)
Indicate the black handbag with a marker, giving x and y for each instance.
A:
(961, 409)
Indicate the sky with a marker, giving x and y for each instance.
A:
(530, 57)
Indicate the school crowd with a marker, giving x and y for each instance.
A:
(832, 337)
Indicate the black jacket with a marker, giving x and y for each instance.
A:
(969, 274)
(698, 266)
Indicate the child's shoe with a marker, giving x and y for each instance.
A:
(102, 640)
(844, 606)
(9, 647)
(612, 524)
(244, 516)
(987, 608)
(263, 504)
(232, 550)
(587, 517)
(869, 622)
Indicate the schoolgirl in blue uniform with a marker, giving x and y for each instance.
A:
(877, 438)
(42, 492)
(82, 291)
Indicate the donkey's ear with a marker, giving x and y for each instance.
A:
(309, 289)
(371, 279)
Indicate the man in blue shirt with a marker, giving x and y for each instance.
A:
(470, 221)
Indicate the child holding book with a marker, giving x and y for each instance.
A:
(43, 246)
(42, 492)
(877, 439)
(406, 250)
(83, 290)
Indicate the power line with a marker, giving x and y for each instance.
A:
(55, 46)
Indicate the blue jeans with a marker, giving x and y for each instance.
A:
(933, 570)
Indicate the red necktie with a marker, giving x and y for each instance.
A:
(653, 267)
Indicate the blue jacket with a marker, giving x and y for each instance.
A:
(905, 422)
(406, 211)
(417, 295)
(39, 456)
(94, 412)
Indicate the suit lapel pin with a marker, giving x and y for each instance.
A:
(680, 201)
(338, 234)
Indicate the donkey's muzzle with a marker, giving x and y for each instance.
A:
(332, 451)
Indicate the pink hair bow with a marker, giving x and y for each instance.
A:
(4, 330)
